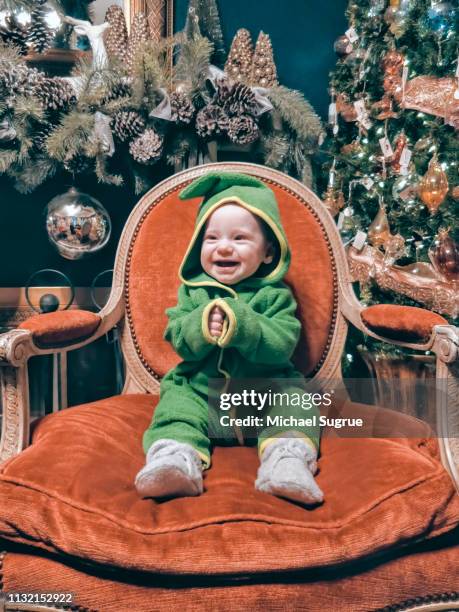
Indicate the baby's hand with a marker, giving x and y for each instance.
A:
(216, 318)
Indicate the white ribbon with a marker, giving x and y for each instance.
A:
(163, 110)
(263, 105)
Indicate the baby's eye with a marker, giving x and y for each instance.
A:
(210, 237)
(240, 237)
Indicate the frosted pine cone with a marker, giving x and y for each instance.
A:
(19, 80)
(211, 121)
(116, 36)
(121, 89)
(40, 36)
(14, 34)
(235, 98)
(147, 148)
(182, 108)
(243, 130)
(127, 125)
(56, 94)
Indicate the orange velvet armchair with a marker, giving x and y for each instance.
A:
(387, 534)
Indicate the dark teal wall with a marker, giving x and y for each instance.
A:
(302, 32)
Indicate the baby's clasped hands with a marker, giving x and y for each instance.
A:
(216, 318)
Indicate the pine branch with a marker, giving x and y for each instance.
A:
(275, 149)
(298, 113)
(193, 63)
(27, 109)
(102, 173)
(7, 159)
(71, 136)
(32, 174)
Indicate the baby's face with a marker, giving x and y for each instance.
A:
(233, 246)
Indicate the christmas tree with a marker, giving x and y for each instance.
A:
(392, 140)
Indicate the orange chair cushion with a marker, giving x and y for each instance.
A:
(404, 323)
(427, 573)
(54, 329)
(151, 261)
(72, 492)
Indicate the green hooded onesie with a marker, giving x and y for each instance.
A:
(260, 330)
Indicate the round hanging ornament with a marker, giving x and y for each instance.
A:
(444, 255)
(433, 187)
(342, 46)
(77, 224)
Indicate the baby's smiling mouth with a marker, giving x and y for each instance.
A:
(226, 263)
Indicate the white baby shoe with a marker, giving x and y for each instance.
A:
(173, 469)
(287, 469)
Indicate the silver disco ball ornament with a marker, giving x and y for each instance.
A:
(77, 224)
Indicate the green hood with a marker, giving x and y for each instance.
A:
(218, 188)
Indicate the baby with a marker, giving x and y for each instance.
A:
(235, 317)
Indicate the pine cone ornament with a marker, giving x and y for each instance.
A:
(127, 125)
(263, 72)
(56, 94)
(40, 36)
(235, 98)
(18, 80)
(211, 121)
(243, 130)
(239, 62)
(14, 34)
(147, 148)
(140, 34)
(116, 36)
(182, 108)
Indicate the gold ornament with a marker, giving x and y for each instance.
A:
(379, 230)
(333, 200)
(394, 248)
(344, 108)
(455, 193)
(433, 186)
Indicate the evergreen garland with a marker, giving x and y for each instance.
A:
(63, 132)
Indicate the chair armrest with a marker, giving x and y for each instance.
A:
(61, 328)
(401, 323)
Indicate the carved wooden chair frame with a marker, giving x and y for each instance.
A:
(17, 346)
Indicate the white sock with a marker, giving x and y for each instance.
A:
(173, 469)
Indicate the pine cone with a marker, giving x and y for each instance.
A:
(40, 136)
(56, 94)
(121, 89)
(211, 121)
(243, 130)
(14, 34)
(78, 164)
(116, 36)
(140, 34)
(19, 80)
(182, 108)
(235, 98)
(127, 124)
(40, 36)
(147, 148)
